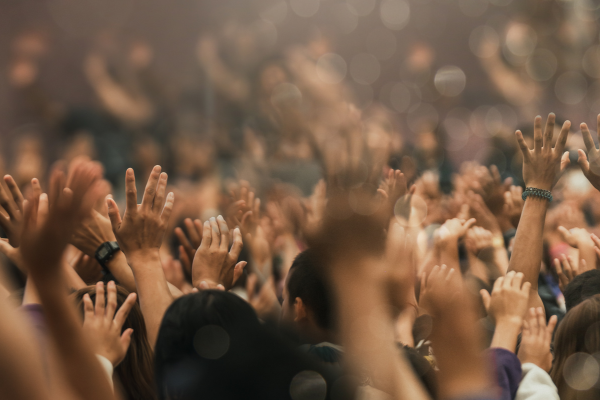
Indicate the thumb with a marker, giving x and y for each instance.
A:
(583, 162)
(126, 338)
(564, 161)
(238, 270)
(485, 296)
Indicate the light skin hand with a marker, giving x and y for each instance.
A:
(102, 323)
(92, 232)
(507, 306)
(590, 164)
(141, 230)
(190, 243)
(536, 339)
(214, 263)
(513, 204)
(11, 220)
(580, 238)
(566, 269)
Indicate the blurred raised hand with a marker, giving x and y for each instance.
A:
(215, 263)
(590, 163)
(567, 270)
(103, 323)
(513, 204)
(536, 339)
(11, 220)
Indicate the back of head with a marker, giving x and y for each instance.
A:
(135, 372)
(576, 342)
(582, 287)
(211, 345)
(306, 282)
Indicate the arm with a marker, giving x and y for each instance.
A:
(540, 168)
(42, 245)
(139, 234)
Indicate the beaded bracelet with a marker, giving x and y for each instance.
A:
(530, 191)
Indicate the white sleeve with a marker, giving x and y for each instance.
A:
(107, 367)
(536, 384)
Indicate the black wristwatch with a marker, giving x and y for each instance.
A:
(105, 253)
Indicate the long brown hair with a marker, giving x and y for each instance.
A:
(136, 371)
(578, 332)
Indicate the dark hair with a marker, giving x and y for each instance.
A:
(582, 287)
(211, 345)
(135, 372)
(578, 332)
(306, 282)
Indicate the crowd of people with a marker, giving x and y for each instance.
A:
(377, 285)
(263, 234)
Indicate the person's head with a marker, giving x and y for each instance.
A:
(135, 372)
(306, 298)
(212, 345)
(577, 339)
(582, 287)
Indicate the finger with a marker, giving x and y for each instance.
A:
(575, 267)
(549, 131)
(192, 232)
(561, 141)
(151, 186)
(43, 209)
(36, 187)
(14, 191)
(550, 328)
(559, 271)
(220, 287)
(168, 208)
(206, 236)
(126, 338)
(583, 162)
(564, 232)
(161, 189)
(486, 298)
(498, 284)
(541, 318)
(215, 233)
(198, 229)
(113, 214)
(538, 139)
(111, 302)
(100, 306)
(565, 161)
(517, 280)
(238, 244)
(526, 288)
(185, 259)
(131, 193)
(595, 239)
(183, 240)
(224, 233)
(533, 321)
(251, 286)
(238, 271)
(508, 280)
(7, 203)
(469, 223)
(587, 138)
(125, 309)
(523, 145)
(567, 269)
(88, 307)
(203, 285)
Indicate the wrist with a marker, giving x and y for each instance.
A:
(142, 256)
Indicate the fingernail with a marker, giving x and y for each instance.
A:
(212, 219)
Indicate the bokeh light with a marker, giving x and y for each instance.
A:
(484, 41)
(581, 371)
(211, 342)
(364, 68)
(308, 385)
(570, 87)
(305, 8)
(381, 43)
(450, 80)
(395, 14)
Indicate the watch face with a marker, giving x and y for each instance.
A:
(102, 252)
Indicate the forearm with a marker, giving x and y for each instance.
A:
(152, 289)
(500, 254)
(587, 253)
(82, 370)
(122, 272)
(527, 250)
(505, 335)
(368, 338)
(448, 251)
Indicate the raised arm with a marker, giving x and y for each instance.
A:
(43, 243)
(540, 170)
(139, 234)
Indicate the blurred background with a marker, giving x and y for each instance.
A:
(252, 89)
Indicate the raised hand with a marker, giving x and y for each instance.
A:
(567, 270)
(141, 230)
(92, 232)
(393, 187)
(439, 290)
(454, 229)
(190, 243)
(477, 239)
(103, 326)
(507, 306)
(542, 164)
(513, 204)
(265, 302)
(12, 222)
(46, 233)
(580, 239)
(215, 263)
(536, 339)
(590, 164)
